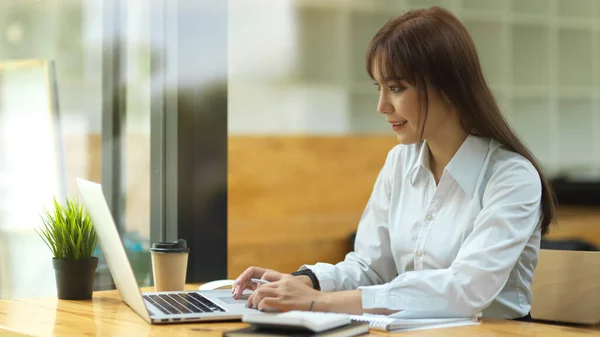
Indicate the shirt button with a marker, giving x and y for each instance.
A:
(419, 253)
(429, 217)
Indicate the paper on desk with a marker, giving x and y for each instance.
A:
(438, 326)
(387, 323)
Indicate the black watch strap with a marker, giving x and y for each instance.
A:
(311, 275)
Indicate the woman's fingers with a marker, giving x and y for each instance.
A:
(243, 281)
(261, 293)
(269, 304)
(272, 275)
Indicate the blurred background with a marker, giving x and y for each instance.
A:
(249, 127)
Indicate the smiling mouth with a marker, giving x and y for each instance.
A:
(399, 123)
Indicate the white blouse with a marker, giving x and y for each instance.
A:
(466, 246)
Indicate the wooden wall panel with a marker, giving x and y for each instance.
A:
(272, 178)
(296, 199)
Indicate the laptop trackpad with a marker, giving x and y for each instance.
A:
(231, 301)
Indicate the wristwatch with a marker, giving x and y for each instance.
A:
(311, 275)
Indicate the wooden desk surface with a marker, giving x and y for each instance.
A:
(107, 315)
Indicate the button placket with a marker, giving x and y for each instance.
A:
(418, 250)
(427, 222)
(423, 233)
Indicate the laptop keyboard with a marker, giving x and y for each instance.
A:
(182, 303)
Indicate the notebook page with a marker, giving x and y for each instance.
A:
(386, 323)
(438, 326)
(378, 322)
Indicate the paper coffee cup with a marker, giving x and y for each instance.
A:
(169, 265)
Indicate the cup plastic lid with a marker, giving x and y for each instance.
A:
(177, 246)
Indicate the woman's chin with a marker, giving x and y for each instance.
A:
(405, 139)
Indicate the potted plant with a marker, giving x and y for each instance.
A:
(68, 232)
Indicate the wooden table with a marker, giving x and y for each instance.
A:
(107, 315)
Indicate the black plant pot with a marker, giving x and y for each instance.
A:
(75, 278)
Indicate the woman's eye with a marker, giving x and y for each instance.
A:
(396, 89)
(378, 87)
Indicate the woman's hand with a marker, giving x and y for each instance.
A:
(243, 281)
(284, 293)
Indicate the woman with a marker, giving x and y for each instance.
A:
(454, 222)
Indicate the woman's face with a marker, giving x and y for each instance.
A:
(398, 102)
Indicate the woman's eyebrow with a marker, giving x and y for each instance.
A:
(393, 79)
(386, 80)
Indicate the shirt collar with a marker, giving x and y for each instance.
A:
(421, 163)
(464, 167)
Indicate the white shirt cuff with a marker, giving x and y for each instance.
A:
(375, 296)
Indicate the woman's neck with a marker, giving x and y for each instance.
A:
(443, 147)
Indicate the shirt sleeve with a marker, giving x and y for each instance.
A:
(371, 262)
(509, 216)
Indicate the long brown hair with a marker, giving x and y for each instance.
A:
(432, 47)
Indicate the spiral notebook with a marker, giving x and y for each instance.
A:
(386, 323)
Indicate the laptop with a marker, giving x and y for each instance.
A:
(154, 307)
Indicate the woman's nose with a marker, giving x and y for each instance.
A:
(384, 107)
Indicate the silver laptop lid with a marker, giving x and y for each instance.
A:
(111, 245)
